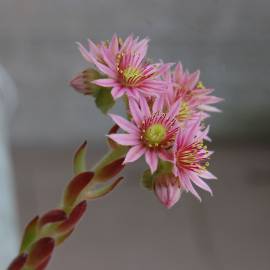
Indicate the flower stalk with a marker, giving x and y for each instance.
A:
(51, 229)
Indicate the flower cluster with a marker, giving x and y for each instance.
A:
(165, 118)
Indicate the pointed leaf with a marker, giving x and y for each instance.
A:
(109, 171)
(44, 264)
(111, 142)
(79, 160)
(74, 189)
(63, 237)
(18, 263)
(40, 252)
(73, 218)
(103, 190)
(30, 234)
(53, 216)
(104, 100)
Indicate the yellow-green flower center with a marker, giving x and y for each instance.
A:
(131, 73)
(155, 134)
(184, 112)
(200, 85)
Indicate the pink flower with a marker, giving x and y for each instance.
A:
(195, 98)
(167, 189)
(125, 67)
(190, 159)
(151, 132)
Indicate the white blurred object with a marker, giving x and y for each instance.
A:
(8, 212)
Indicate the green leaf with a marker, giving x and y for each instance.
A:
(164, 167)
(74, 189)
(148, 180)
(30, 234)
(109, 171)
(102, 190)
(104, 100)
(79, 160)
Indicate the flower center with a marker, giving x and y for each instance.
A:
(193, 157)
(155, 134)
(131, 75)
(200, 85)
(184, 112)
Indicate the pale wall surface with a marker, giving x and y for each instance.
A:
(229, 41)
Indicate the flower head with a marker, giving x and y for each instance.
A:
(195, 98)
(191, 159)
(125, 65)
(151, 132)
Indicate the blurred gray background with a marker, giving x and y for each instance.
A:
(229, 42)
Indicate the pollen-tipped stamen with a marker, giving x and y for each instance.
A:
(193, 157)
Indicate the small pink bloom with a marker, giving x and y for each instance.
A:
(191, 159)
(124, 63)
(195, 98)
(167, 189)
(151, 132)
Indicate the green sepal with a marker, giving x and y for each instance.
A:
(103, 99)
(79, 160)
(148, 179)
(30, 234)
(164, 167)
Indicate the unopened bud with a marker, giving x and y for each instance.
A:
(82, 82)
(167, 189)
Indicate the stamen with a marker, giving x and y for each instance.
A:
(157, 131)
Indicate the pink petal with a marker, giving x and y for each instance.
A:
(135, 111)
(105, 82)
(174, 194)
(117, 92)
(151, 159)
(209, 108)
(93, 47)
(106, 70)
(165, 155)
(158, 105)
(144, 107)
(124, 124)
(191, 132)
(107, 58)
(192, 190)
(134, 93)
(125, 139)
(178, 73)
(193, 79)
(207, 175)
(174, 109)
(134, 153)
(87, 55)
(200, 183)
(114, 46)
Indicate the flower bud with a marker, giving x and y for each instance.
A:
(167, 189)
(82, 82)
